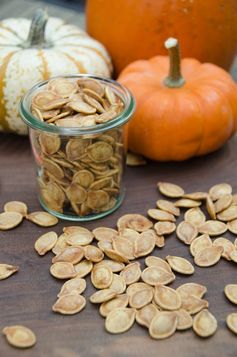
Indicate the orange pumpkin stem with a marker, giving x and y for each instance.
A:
(174, 79)
(37, 29)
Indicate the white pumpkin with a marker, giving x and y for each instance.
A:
(32, 51)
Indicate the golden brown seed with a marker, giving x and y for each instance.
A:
(232, 226)
(49, 143)
(208, 256)
(97, 199)
(19, 336)
(200, 243)
(157, 262)
(168, 207)
(194, 216)
(156, 275)
(105, 243)
(145, 315)
(63, 270)
(163, 325)
(120, 320)
(131, 289)
(114, 266)
(75, 148)
(170, 189)
(131, 273)
(229, 214)
(204, 324)
(112, 254)
(73, 286)
(231, 292)
(134, 221)
(194, 289)
(7, 270)
(140, 298)
(101, 296)
(84, 178)
(43, 219)
(135, 159)
(199, 196)
(186, 232)
(69, 304)
(180, 265)
(160, 215)
(81, 237)
(117, 302)
(145, 244)
(9, 220)
(160, 241)
(62, 86)
(83, 268)
(124, 247)
(222, 203)
(167, 298)
(118, 284)
(93, 253)
(227, 246)
(210, 207)
(61, 244)
(219, 190)
(53, 168)
(16, 206)
(185, 320)
(129, 234)
(43, 98)
(46, 242)
(101, 276)
(231, 322)
(104, 232)
(187, 203)
(100, 151)
(71, 255)
(193, 304)
(212, 228)
(163, 228)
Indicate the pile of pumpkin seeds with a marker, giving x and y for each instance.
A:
(78, 175)
(125, 292)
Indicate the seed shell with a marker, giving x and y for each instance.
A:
(7, 270)
(160, 215)
(123, 247)
(93, 253)
(208, 256)
(145, 315)
(212, 228)
(204, 324)
(220, 190)
(229, 214)
(227, 246)
(83, 268)
(46, 242)
(156, 275)
(104, 232)
(119, 301)
(115, 266)
(193, 304)
(118, 284)
(170, 189)
(131, 289)
(16, 206)
(140, 298)
(135, 160)
(222, 203)
(163, 325)
(43, 219)
(101, 276)
(187, 203)
(19, 336)
(101, 296)
(69, 304)
(200, 243)
(73, 286)
(180, 265)
(134, 221)
(185, 320)
(231, 292)
(186, 232)
(63, 270)
(131, 273)
(167, 298)
(231, 322)
(120, 320)
(194, 289)
(163, 228)
(145, 243)
(195, 216)
(157, 262)
(168, 207)
(210, 207)
(232, 226)
(9, 220)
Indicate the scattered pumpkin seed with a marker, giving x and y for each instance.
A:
(101, 296)
(9, 220)
(46, 242)
(229, 214)
(69, 304)
(131, 273)
(120, 320)
(232, 226)
(19, 336)
(160, 215)
(101, 276)
(231, 292)
(104, 232)
(194, 289)
(93, 253)
(210, 207)
(135, 159)
(43, 219)
(204, 324)
(227, 246)
(222, 203)
(185, 320)
(156, 275)
(73, 286)
(157, 262)
(187, 203)
(231, 322)
(193, 304)
(160, 241)
(212, 228)
(170, 189)
(195, 216)
(163, 325)
(219, 190)
(186, 232)
(208, 256)
(124, 247)
(83, 268)
(115, 266)
(71, 255)
(180, 265)
(7, 270)
(63, 270)
(16, 206)
(145, 243)
(163, 228)
(61, 244)
(145, 315)
(167, 298)
(168, 206)
(112, 254)
(119, 301)
(134, 221)
(200, 243)
(199, 196)
(131, 289)
(118, 284)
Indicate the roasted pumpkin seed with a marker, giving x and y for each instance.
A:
(93, 253)
(163, 228)
(9, 220)
(19, 336)
(208, 256)
(193, 304)
(145, 315)
(140, 298)
(160, 215)
(204, 324)
(71, 255)
(101, 296)
(163, 325)
(195, 216)
(157, 262)
(124, 247)
(180, 265)
(223, 202)
(131, 289)
(210, 207)
(134, 221)
(219, 190)
(63, 270)
(118, 284)
(114, 265)
(101, 276)
(43, 219)
(16, 206)
(131, 273)
(135, 159)
(73, 286)
(46, 242)
(231, 292)
(212, 228)
(231, 322)
(167, 298)
(194, 289)
(104, 232)
(227, 246)
(185, 320)
(186, 232)
(154, 275)
(170, 189)
(145, 243)
(229, 214)
(187, 203)
(200, 243)
(232, 226)
(168, 206)
(83, 268)
(7, 270)
(69, 304)
(120, 320)
(119, 301)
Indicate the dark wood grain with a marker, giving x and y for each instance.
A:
(26, 297)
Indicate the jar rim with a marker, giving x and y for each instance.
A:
(121, 119)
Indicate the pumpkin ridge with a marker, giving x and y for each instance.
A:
(79, 65)
(45, 71)
(11, 31)
(3, 112)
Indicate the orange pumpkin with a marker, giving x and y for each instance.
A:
(179, 117)
(136, 29)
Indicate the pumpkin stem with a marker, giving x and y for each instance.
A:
(37, 30)
(174, 79)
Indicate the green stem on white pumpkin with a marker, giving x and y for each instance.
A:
(174, 79)
(36, 36)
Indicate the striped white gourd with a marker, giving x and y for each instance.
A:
(32, 51)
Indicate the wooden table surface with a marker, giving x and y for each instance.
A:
(26, 297)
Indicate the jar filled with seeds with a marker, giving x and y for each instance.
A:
(79, 141)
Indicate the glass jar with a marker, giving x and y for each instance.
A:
(80, 170)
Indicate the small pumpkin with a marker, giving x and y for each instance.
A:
(136, 29)
(33, 51)
(178, 117)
